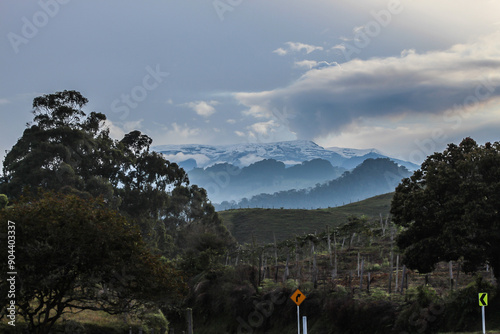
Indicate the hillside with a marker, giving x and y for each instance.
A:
(226, 182)
(285, 223)
(371, 178)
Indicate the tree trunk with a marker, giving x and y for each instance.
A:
(237, 257)
(329, 246)
(382, 225)
(297, 264)
(260, 267)
(361, 277)
(397, 273)
(357, 268)
(335, 257)
(368, 283)
(286, 273)
(315, 268)
(403, 279)
(450, 265)
(352, 239)
(392, 261)
(275, 259)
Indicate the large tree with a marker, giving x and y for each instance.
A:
(64, 149)
(77, 254)
(449, 209)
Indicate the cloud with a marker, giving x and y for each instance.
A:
(250, 159)
(280, 51)
(327, 100)
(118, 131)
(133, 125)
(115, 131)
(312, 64)
(183, 131)
(297, 47)
(4, 101)
(201, 159)
(309, 64)
(263, 128)
(203, 108)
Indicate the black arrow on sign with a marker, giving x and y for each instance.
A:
(297, 297)
(481, 299)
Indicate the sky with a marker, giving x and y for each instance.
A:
(404, 77)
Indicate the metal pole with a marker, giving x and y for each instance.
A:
(298, 320)
(190, 320)
(484, 322)
(304, 324)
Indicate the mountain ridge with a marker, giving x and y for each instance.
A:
(372, 177)
(291, 153)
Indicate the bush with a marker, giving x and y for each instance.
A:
(423, 311)
(359, 316)
(462, 309)
(291, 284)
(155, 320)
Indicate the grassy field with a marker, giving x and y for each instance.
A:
(285, 223)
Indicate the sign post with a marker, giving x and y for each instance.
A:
(298, 297)
(298, 319)
(483, 301)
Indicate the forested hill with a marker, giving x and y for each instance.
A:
(373, 177)
(226, 182)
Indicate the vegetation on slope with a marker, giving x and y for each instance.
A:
(261, 224)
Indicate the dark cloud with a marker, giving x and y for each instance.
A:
(327, 100)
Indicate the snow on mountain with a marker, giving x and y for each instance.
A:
(288, 152)
(352, 152)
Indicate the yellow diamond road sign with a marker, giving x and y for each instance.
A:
(483, 299)
(298, 297)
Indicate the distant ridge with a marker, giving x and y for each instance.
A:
(290, 153)
(370, 178)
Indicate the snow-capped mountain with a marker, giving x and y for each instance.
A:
(352, 152)
(289, 152)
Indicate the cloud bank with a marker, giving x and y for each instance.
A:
(330, 99)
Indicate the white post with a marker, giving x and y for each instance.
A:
(298, 320)
(484, 322)
(304, 325)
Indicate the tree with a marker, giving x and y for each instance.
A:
(74, 254)
(67, 150)
(449, 209)
(64, 148)
(4, 201)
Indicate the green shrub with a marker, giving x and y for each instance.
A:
(291, 284)
(462, 309)
(155, 320)
(422, 313)
(268, 285)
